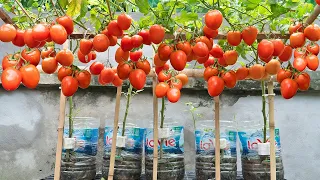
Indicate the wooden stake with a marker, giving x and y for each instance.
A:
(217, 137)
(115, 133)
(60, 136)
(155, 131)
(313, 16)
(272, 135)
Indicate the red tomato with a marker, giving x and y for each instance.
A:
(265, 49)
(136, 40)
(7, 32)
(96, 68)
(28, 39)
(48, 52)
(164, 51)
(242, 73)
(11, 61)
(58, 34)
(303, 81)
(121, 56)
(69, 86)
(215, 86)
(124, 21)
(283, 74)
(202, 60)
(234, 38)
(138, 78)
(286, 54)
(161, 89)
(311, 33)
(135, 56)
(205, 40)
(272, 67)
(183, 78)
(313, 48)
(299, 63)
(32, 56)
(210, 33)
(164, 76)
(297, 27)
(30, 76)
(117, 81)
(126, 43)
(288, 88)
(40, 32)
(19, 39)
(67, 23)
(200, 49)
(157, 61)
(178, 60)
(85, 46)
(146, 36)
(230, 57)
(297, 39)
(213, 19)
(107, 75)
(300, 52)
(278, 46)
(49, 65)
(101, 43)
(209, 72)
(249, 35)
(65, 57)
(209, 62)
(11, 79)
(318, 2)
(114, 29)
(173, 94)
(112, 40)
(176, 83)
(165, 67)
(144, 65)
(157, 33)
(222, 62)
(312, 62)
(216, 51)
(84, 79)
(63, 72)
(185, 47)
(124, 70)
(230, 79)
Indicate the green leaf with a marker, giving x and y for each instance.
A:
(186, 17)
(63, 3)
(251, 4)
(93, 2)
(278, 10)
(143, 6)
(74, 8)
(84, 8)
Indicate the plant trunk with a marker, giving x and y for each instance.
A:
(68, 151)
(161, 126)
(264, 112)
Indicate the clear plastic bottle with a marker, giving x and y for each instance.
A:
(170, 155)
(205, 149)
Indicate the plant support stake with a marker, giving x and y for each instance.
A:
(217, 136)
(68, 151)
(272, 136)
(114, 135)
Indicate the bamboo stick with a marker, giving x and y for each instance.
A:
(272, 135)
(60, 136)
(217, 137)
(6, 18)
(155, 131)
(313, 16)
(115, 133)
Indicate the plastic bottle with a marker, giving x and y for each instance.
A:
(170, 156)
(205, 149)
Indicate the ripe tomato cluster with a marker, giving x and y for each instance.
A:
(273, 55)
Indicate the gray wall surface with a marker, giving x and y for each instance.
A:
(29, 120)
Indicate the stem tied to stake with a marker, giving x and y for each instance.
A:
(127, 109)
(264, 112)
(68, 152)
(161, 126)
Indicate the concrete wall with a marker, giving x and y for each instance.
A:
(29, 119)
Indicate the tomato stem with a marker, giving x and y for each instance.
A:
(264, 112)
(161, 126)
(127, 109)
(68, 152)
